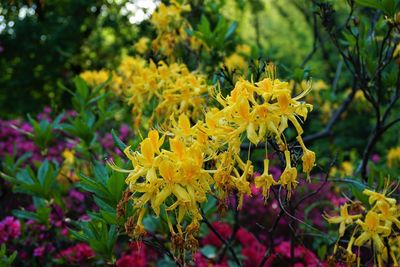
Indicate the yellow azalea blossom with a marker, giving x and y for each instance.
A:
(242, 185)
(375, 197)
(265, 180)
(69, 156)
(142, 45)
(371, 231)
(289, 176)
(95, 78)
(179, 165)
(346, 169)
(393, 157)
(308, 158)
(236, 61)
(243, 49)
(379, 225)
(170, 27)
(344, 219)
(388, 214)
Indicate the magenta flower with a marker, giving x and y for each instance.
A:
(79, 253)
(10, 228)
(39, 251)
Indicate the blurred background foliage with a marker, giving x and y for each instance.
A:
(43, 43)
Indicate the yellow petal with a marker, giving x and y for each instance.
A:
(160, 198)
(364, 237)
(147, 150)
(184, 123)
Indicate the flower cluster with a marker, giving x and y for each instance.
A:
(237, 60)
(15, 139)
(170, 27)
(253, 251)
(175, 172)
(261, 111)
(376, 225)
(155, 89)
(76, 254)
(170, 89)
(10, 228)
(139, 254)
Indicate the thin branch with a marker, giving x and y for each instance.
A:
(371, 144)
(315, 43)
(234, 232)
(327, 131)
(209, 225)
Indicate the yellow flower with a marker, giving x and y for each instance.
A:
(142, 45)
(236, 61)
(375, 197)
(265, 180)
(289, 176)
(372, 231)
(393, 157)
(388, 214)
(243, 49)
(203, 159)
(308, 158)
(346, 169)
(242, 185)
(95, 78)
(69, 156)
(344, 219)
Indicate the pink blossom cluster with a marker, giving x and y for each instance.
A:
(15, 140)
(78, 253)
(138, 255)
(254, 251)
(10, 228)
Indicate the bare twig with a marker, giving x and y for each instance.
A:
(209, 225)
(327, 131)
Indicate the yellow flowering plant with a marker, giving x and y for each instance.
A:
(180, 165)
(375, 226)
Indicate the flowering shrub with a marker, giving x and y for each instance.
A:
(197, 150)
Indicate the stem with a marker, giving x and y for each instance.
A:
(327, 131)
(209, 225)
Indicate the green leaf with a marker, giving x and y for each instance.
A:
(116, 185)
(370, 3)
(103, 205)
(81, 88)
(322, 251)
(43, 172)
(23, 214)
(230, 30)
(150, 223)
(121, 146)
(357, 192)
(209, 251)
(100, 173)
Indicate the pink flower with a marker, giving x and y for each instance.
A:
(303, 256)
(130, 260)
(77, 254)
(246, 238)
(223, 228)
(252, 249)
(375, 158)
(10, 228)
(39, 251)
